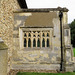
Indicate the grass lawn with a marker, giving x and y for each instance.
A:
(32, 73)
(74, 51)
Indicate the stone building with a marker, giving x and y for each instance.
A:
(35, 39)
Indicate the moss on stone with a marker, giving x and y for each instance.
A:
(3, 46)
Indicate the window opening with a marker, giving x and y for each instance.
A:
(38, 31)
(38, 35)
(43, 42)
(47, 42)
(48, 34)
(38, 43)
(25, 35)
(29, 42)
(43, 35)
(34, 43)
(25, 42)
(29, 35)
(34, 35)
(34, 31)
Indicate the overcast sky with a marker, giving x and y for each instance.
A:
(70, 4)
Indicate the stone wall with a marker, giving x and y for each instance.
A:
(10, 24)
(3, 62)
(69, 63)
(6, 24)
(3, 58)
(36, 58)
(74, 63)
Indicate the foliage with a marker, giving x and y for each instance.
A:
(32, 73)
(72, 26)
(74, 51)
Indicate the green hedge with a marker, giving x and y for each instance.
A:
(74, 51)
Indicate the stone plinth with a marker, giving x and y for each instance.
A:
(3, 58)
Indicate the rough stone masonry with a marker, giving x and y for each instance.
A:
(33, 38)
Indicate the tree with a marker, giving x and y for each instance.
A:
(72, 26)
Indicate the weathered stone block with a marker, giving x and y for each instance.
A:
(3, 58)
